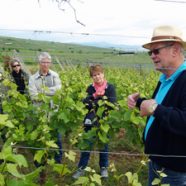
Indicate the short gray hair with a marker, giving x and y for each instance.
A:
(44, 55)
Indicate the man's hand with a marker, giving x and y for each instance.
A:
(148, 107)
(132, 99)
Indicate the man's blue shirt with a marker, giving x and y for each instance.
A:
(164, 88)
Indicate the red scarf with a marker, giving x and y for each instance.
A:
(100, 89)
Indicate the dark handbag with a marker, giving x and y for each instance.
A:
(91, 119)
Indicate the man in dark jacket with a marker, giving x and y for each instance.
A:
(165, 131)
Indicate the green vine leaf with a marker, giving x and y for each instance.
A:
(12, 169)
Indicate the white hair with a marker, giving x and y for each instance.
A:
(44, 55)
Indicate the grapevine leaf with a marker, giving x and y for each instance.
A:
(12, 169)
(105, 128)
(51, 144)
(4, 121)
(96, 178)
(71, 155)
(81, 180)
(61, 169)
(39, 154)
(129, 177)
(156, 181)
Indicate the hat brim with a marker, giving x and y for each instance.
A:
(148, 45)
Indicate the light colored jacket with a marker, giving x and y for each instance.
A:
(44, 84)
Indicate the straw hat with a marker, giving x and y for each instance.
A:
(166, 33)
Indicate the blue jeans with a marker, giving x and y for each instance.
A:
(59, 153)
(103, 155)
(103, 158)
(173, 178)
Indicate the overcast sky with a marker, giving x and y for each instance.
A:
(114, 21)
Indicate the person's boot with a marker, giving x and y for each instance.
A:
(78, 173)
(104, 172)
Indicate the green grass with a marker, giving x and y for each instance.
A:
(28, 49)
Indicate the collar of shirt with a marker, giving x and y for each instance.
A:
(173, 77)
(39, 75)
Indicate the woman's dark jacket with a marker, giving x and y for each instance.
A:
(167, 134)
(21, 80)
(92, 103)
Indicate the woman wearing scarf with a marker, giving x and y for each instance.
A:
(100, 89)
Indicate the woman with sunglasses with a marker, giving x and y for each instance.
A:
(20, 77)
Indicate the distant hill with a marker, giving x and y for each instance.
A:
(105, 45)
(48, 38)
(71, 53)
(114, 46)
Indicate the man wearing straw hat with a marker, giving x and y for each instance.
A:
(165, 132)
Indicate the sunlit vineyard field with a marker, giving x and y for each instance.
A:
(30, 130)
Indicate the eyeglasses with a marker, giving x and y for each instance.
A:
(16, 65)
(47, 63)
(156, 51)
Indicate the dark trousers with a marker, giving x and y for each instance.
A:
(59, 153)
(103, 155)
(103, 158)
(173, 178)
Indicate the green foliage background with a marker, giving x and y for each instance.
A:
(23, 124)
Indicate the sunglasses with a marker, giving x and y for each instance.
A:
(156, 51)
(16, 65)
